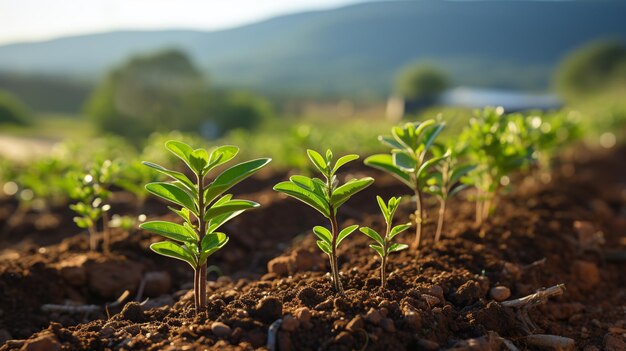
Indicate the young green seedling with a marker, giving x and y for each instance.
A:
(384, 243)
(496, 145)
(444, 183)
(326, 196)
(91, 192)
(201, 204)
(410, 158)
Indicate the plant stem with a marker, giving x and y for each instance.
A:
(333, 256)
(106, 233)
(201, 281)
(442, 212)
(418, 220)
(93, 244)
(196, 287)
(383, 269)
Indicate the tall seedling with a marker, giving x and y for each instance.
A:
(444, 182)
(326, 196)
(409, 160)
(496, 145)
(384, 243)
(201, 204)
(91, 191)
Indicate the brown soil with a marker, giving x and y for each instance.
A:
(436, 300)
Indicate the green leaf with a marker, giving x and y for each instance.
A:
(309, 184)
(398, 229)
(213, 241)
(343, 160)
(323, 234)
(378, 249)
(169, 249)
(397, 247)
(383, 207)
(404, 161)
(304, 195)
(232, 176)
(345, 232)
(329, 156)
(199, 159)
(344, 192)
(428, 164)
(221, 155)
(459, 172)
(172, 193)
(324, 246)
(229, 207)
(391, 142)
(318, 161)
(385, 162)
(372, 234)
(218, 221)
(170, 230)
(173, 174)
(432, 135)
(182, 213)
(181, 150)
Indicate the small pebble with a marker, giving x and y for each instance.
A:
(500, 293)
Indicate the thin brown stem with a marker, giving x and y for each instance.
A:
(442, 213)
(383, 270)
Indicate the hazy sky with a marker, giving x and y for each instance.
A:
(27, 20)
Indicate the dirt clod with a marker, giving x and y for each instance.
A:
(269, 309)
(586, 272)
(374, 316)
(614, 342)
(355, 324)
(467, 294)
(44, 342)
(133, 312)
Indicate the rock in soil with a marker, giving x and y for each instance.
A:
(220, 330)
(290, 323)
(133, 312)
(303, 314)
(500, 293)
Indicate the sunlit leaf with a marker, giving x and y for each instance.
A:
(170, 230)
(318, 161)
(323, 234)
(169, 249)
(347, 190)
(385, 162)
(171, 193)
(304, 195)
(372, 234)
(232, 176)
(344, 233)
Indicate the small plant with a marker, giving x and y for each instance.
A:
(326, 196)
(444, 182)
(203, 207)
(495, 143)
(91, 191)
(409, 160)
(384, 243)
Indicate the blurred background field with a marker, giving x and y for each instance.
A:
(299, 75)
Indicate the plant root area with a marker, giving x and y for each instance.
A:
(476, 289)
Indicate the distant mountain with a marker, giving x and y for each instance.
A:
(355, 50)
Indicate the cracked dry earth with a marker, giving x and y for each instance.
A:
(569, 228)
